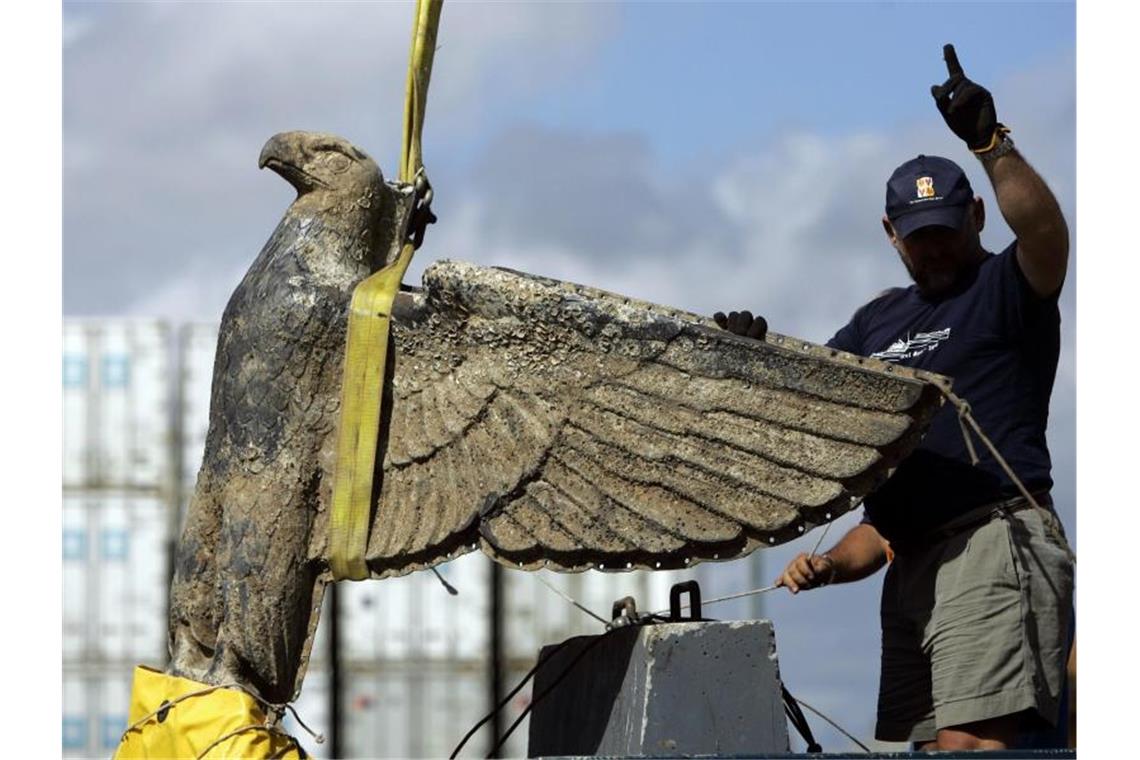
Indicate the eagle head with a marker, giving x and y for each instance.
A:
(315, 162)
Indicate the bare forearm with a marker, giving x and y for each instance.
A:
(861, 552)
(1032, 212)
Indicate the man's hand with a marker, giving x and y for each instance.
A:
(742, 323)
(968, 108)
(807, 571)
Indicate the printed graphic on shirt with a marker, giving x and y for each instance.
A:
(912, 346)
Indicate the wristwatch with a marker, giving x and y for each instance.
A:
(1001, 144)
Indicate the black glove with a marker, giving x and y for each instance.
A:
(742, 323)
(968, 108)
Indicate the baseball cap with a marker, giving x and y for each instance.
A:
(925, 191)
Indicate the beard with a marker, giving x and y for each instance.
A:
(940, 276)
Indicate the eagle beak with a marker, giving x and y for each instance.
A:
(276, 150)
(286, 153)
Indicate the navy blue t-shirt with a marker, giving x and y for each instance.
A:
(999, 342)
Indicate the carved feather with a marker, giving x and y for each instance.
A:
(554, 425)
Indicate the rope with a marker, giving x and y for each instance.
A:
(506, 700)
(542, 695)
(558, 591)
(269, 706)
(834, 724)
(242, 730)
(796, 717)
(705, 602)
(659, 613)
(815, 549)
(965, 417)
(963, 414)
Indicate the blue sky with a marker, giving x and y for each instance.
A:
(706, 156)
(715, 76)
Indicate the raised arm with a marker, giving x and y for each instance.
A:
(1026, 202)
(1034, 215)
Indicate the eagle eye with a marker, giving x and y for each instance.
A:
(337, 161)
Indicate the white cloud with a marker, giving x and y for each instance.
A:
(167, 105)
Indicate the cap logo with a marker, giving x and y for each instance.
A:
(925, 187)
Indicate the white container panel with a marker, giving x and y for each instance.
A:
(116, 397)
(114, 691)
(409, 711)
(393, 608)
(379, 621)
(77, 730)
(554, 616)
(359, 620)
(133, 434)
(96, 702)
(77, 633)
(197, 346)
(437, 613)
(364, 719)
(515, 745)
(454, 700)
(77, 361)
(415, 616)
(471, 577)
(396, 693)
(319, 654)
(129, 560)
(520, 612)
(379, 716)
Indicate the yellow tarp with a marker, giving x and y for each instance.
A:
(199, 720)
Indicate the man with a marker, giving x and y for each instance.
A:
(977, 599)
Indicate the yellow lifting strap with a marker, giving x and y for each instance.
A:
(366, 348)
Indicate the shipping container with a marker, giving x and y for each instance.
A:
(78, 409)
(117, 405)
(115, 567)
(515, 745)
(79, 634)
(96, 702)
(416, 617)
(407, 709)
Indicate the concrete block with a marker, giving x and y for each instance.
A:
(689, 688)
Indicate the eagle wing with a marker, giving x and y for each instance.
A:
(560, 426)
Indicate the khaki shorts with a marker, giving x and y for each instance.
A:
(975, 626)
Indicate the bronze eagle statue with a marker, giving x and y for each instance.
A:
(548, 424)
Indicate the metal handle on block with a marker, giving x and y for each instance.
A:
(694, 592)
